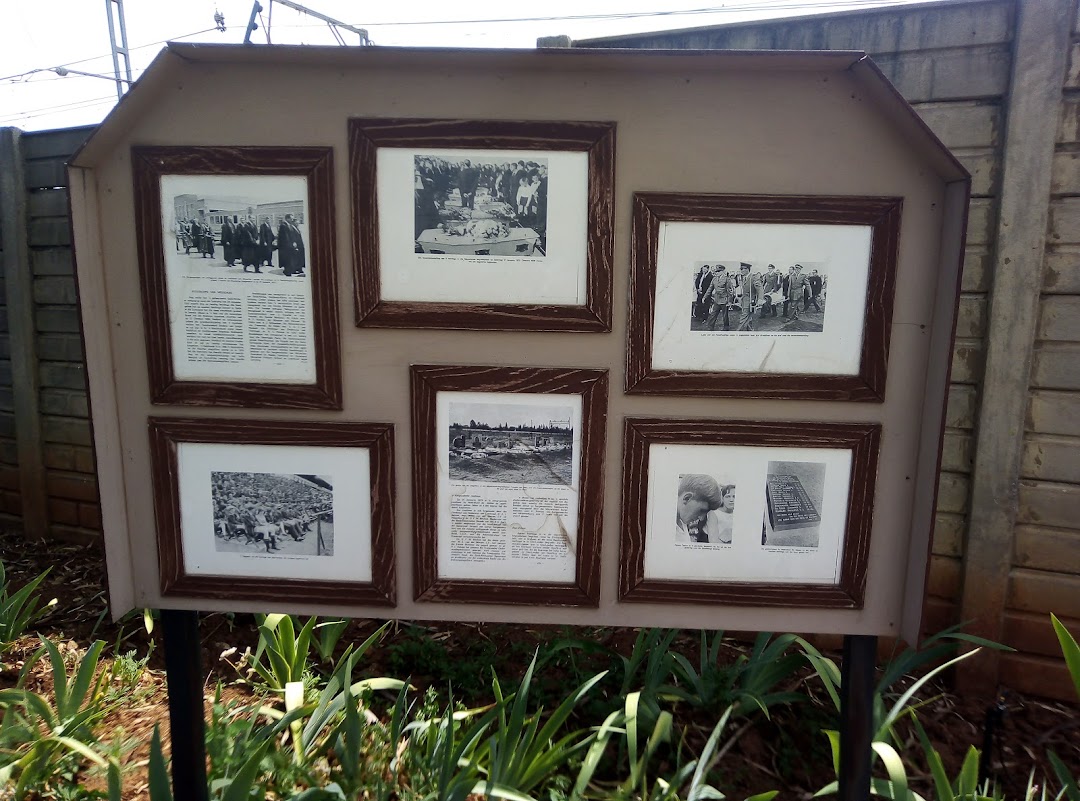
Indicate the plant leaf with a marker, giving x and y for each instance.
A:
(160, 789)
(1070, 650)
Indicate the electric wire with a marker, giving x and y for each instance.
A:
(726, 9)
(62, 109)
(23, 77)
(105, 55)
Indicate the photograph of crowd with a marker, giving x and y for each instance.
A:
(745, 296)
(484, 206)
(793, 496)
(221, 235)
(278, 513)
(511, 443)
(705, 510)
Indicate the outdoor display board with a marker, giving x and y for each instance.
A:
(613, 338)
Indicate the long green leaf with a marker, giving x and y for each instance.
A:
(942, 786)
(1068, 782)
(901, 703)
(302, 648)
(158, 773)
(80, 748)
(967, 781)
(243, 782)
(495, 791)
(1070, 650)
(79, 693)
(894, 766)
(705, 761)
(593, 756)
(59, 675)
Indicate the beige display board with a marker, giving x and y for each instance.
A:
(593, 296)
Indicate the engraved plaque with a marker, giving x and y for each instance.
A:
(788, 504)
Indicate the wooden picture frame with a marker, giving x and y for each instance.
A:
(183, 475)
(152, 165)
(477, 293)
(743, 232)
(435, 391)
(678, 438)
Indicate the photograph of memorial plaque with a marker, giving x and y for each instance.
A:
(761, 296)
(685, 540)
(482, 224)
(274, 510)
(507, 484)
(793, 496)
(238, 275)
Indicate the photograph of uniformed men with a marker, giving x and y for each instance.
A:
(705, 510)
(484, 206)
(273, 513)
(228, 235)
(751, 296)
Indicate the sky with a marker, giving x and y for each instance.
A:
(36, 36)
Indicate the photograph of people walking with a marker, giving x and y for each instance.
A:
(733, 295)
(221, 234)
(483, 206)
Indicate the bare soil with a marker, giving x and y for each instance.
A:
(515, 467)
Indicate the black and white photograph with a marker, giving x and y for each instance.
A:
(511, 443)
(239, 279)
(752, 296)
(793, 499)
(793, 298)
(499, 467)
(788, 525)
(705, 510)
(214, 233)
(274, 513)
(483, 205)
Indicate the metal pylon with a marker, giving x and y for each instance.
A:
(115, 11)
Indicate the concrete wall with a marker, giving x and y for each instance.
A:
(958, 63)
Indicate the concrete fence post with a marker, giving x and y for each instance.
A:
(1040, 51)
(19, 285)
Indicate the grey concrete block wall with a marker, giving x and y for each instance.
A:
(954, 62)
(62, 442)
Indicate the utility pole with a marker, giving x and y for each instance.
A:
(115, 11)
(334, 24)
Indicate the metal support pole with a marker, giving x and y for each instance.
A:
(119, 49)
(187, 724)
(856, 716)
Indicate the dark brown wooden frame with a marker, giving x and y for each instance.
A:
(862, 439)
(378, 438)
(592, 385)
(882, 214)
(315, 164)
(597, 139)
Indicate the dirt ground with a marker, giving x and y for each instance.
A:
(515, 467)
(787, 752)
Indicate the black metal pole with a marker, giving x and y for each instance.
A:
(187, 724)
(857, 716)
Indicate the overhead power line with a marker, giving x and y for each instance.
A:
(726, 9)
(104, 55)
